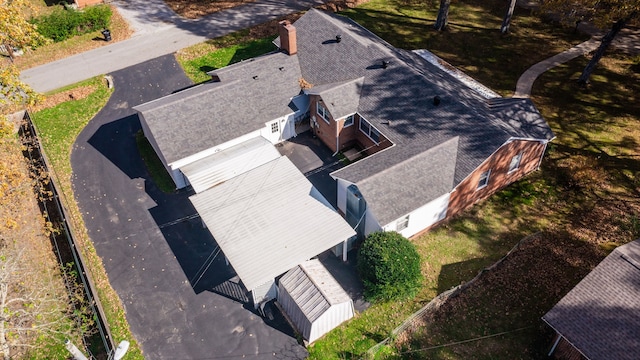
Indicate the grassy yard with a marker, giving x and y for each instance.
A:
(58, 127)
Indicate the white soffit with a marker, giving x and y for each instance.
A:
(267, 221)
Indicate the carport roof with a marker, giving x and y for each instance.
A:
(268, 220)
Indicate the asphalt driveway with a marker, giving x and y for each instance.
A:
(152, 246)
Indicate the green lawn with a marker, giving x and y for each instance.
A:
(202, 58)
(58, 128)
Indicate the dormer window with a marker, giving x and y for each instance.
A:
(322, 112)
(348, 121)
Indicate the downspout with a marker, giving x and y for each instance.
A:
(337, 141)
(555, 344)
(542, 155)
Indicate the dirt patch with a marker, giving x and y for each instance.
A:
(513, 296)
(58, 98)
(196, 9)
(199, 8)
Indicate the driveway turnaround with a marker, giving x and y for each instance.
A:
(179, 303)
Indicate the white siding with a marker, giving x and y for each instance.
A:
(313, 300)
(286, 129)
(423, 217)
(371, 223)
(342, 194)
(264, 292)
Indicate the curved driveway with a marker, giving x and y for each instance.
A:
(151, 257)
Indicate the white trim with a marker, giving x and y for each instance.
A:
(353, 120)
(324, 113)
(370, 127)
(519, 155)
(486, 180)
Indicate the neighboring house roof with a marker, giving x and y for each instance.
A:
(313, 289)
(600, 317)
(268, 220)
(254, 92)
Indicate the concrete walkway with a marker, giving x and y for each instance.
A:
(159, 31)
(526, 80)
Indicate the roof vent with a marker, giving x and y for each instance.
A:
(281, 68)
(385, 64)
(255, 77)
(338, 38)
(436, 100)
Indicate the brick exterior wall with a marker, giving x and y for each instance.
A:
(83, 3)
(467, 192)
(347, 137)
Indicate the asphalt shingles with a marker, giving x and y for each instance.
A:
(153, 263)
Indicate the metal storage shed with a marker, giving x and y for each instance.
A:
(313, 300)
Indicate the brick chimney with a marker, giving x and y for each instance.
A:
(287, 34)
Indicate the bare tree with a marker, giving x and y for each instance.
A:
(612, 14)
(506, 22)
(443, 15)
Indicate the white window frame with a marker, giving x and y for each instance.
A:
(402, 223)
(349, 120)
(275, 127)
(370, 128)
(322, 112)
(484, 180)
(515, 163)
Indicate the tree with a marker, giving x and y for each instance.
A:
(15, 30)
(13, 91)
(443, 15)
(506, 22)
(389, 266)
(36, 309)
(612, 14)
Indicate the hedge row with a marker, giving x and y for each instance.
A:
(63, 24)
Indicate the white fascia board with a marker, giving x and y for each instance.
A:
(203, 154)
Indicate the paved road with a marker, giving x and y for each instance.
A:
(159, 32)
(151, 260)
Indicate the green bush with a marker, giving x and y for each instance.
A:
(389, 266)
(63, 24)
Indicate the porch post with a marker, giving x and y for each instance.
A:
(344, 250)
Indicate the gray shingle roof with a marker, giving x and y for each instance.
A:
(601, 315)
(341, 99)
(210, 114)
(415, 181)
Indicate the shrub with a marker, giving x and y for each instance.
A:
(63, 24)
(389, 266)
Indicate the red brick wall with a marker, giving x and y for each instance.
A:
(367, 144)
(326, 132)
(466, 193)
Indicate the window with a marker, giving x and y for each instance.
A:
(322, 112)
(484, 179)
(515, 162)
(369, 130)
(274, 127)
(348, 121)
(402, 223)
